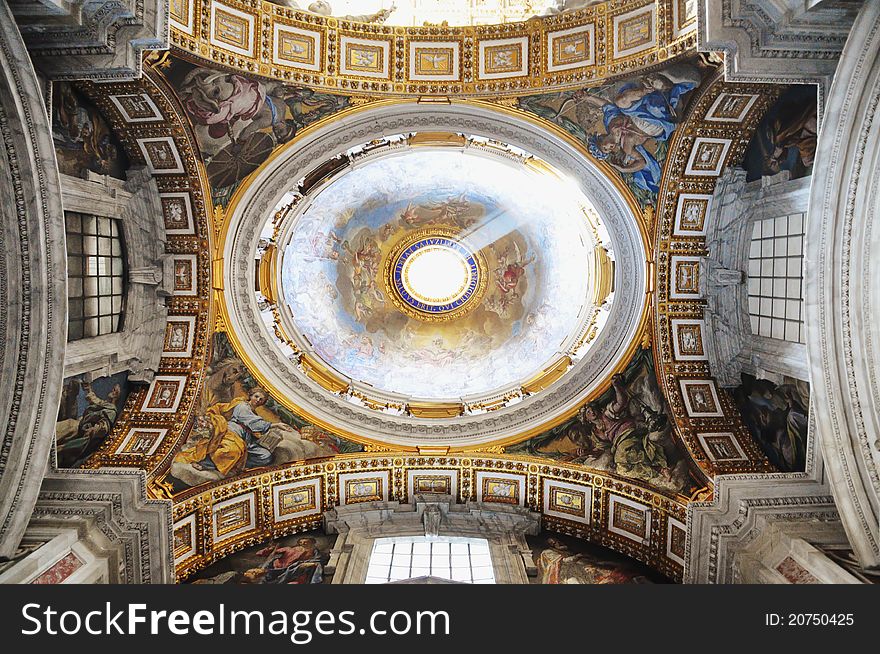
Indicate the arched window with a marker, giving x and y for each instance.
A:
(95, 275)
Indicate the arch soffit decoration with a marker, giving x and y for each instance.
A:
(575, 48)
(682, 372)
(147, 118)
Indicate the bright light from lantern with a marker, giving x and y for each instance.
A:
(436, 274)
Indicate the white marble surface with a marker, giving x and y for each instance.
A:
(781, 41)
(138, 346)
(33, 271)
(842, 287)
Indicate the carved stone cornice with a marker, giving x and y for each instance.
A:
(776, 41)
(115, 502)
(96, 40)
(744, 507)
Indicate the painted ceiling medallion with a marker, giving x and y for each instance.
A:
(433, 276)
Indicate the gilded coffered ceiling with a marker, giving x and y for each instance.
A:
(571, 48)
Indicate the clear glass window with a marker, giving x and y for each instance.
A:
(466, 560)
(775, 272)
(95, 276)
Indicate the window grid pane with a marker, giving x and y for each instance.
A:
(775, 286)
(457, 559)
(95, 270)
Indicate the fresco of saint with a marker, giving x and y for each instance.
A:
(627, 124)
(235, 441)
(777, 417)
(297, 559)
(88, 411)
(238, 427)
(238, 121)
(626, 431)
(83, 139)
(615, 434)
(785, 139)
(565, 560)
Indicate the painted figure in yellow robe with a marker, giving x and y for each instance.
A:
(235, 430)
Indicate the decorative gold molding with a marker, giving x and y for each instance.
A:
(433, 450)
(266, 277)
(217, 274)
(435, 409)
(573, 49)
(603, 273)
(437, 139)
(538, 475)
(322, 375)
(547, 376)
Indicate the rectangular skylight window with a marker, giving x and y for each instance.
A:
(465, 560)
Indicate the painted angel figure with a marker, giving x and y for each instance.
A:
(225, 104)
(511, 269)
(409, 217)
(451, 210)
(363, 257)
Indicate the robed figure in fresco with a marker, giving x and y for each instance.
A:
(583, 563)
(615, 432)
(777, 417)
(640, 112)
(76, 438)
(237, 426)
(234, 443)
(626, 430)
(559, 565)
(296, 559)
(627, 124)
(300, 564)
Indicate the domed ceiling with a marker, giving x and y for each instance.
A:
(439, 273)
(412, 282)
